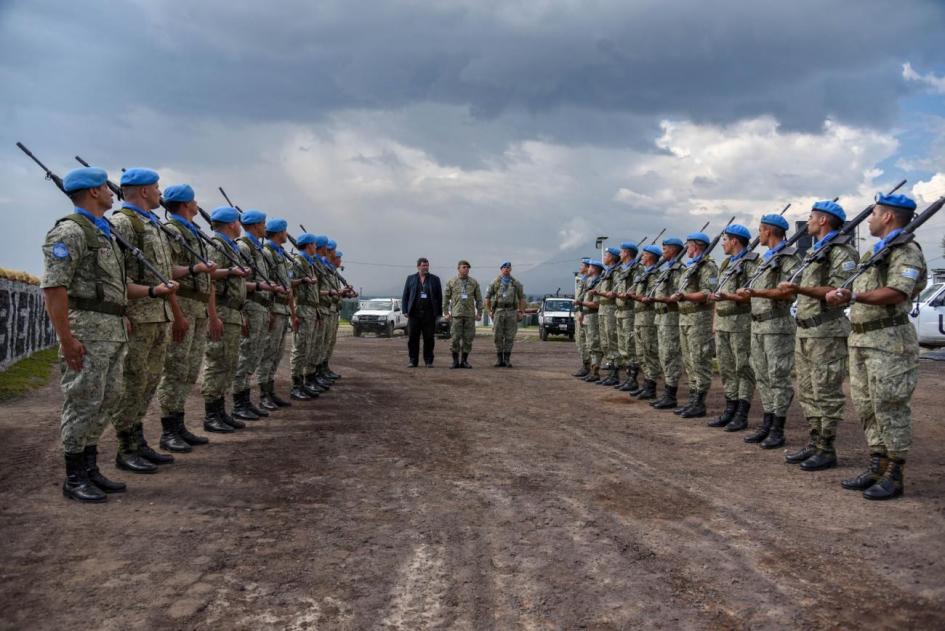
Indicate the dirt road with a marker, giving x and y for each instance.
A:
(471, 499)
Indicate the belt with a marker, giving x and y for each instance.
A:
(874, 325)
(193, 294)
(98, 306)
(696, 308)
(739, 310)
(769, 315)
(282, 300)
(666, 308)
(260, 300)
(820, 318)
(625, 308)
(231, 302)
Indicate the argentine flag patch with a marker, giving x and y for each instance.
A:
(848, 266)
(911, 273)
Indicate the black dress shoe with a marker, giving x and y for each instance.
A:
(820, 461)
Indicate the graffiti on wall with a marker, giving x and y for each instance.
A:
(24, 326)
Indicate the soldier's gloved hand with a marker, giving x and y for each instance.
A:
(73, 352)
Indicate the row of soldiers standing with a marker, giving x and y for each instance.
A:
(226, 308)
(650, 313)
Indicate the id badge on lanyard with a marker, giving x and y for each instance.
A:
(463, 295)
(423, 291)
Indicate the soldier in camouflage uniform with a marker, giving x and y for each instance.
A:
(607, 317)
(222, 354)
(183, 358)
(591, 324)
(320, 373)
(884, 348)
(341, 291)
(85, 292)
(505, 299)
(462, 303)
(733, 330)
(772, 329)
(314, 379)
(820, 356)
(645, 334)
(667, 322)
(580, 330)
(283, 315)
(150, 317)
(697, 281)
(624, 279)
(305, 285)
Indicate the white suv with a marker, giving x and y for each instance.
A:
(556, 317)
(378, 315)
(930, 321)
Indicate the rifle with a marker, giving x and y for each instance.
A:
(664, 275)
(173, 234)
(709, 248)
(844, 237)
(337, 273)
(124, 245)
(248, 260)
(907, 235)
(736, 269)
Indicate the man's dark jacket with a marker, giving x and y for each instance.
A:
(412, 293)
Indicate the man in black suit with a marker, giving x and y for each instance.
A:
(423, 304)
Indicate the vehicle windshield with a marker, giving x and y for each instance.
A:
(557, 305)
(929, 291)
(378, 304)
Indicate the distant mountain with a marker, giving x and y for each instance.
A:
(557, 272)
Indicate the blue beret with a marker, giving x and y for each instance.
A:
(699, 236)
(654, 250)
(831, 208)
(138, 176)
(596, 263)
(738, 230)
(629, 245)
(179, 193)
(224, 214)
(277, 225)
(321, 241)
(86, 177)
(586, 260)
(614, 251)
(305, 238)
(338, 253)
(330, 244)
(252, 216)
(505, 264)
(897, 201)
(673, 241)
(775, 220)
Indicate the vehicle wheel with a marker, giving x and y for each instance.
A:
(571, 336)
(389, 331)
(355, 331)
(543, 334)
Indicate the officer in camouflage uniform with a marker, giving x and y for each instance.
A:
(222, 354)
(341, 292)
(505, 299)
(183, 358)
(884, 349)
(820, 356)
(313, 379)
(149, 317)
(772, 329)
(645, 334)
(667, 322)
(733, 330)
(607, 317)
(321, 373)
(84, 289)
(696, 283)
(624, 279)
(305, 282)
(282, 314)
(591, 323)
(462, 303)
(580, 331)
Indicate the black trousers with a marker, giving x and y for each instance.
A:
(421, 323)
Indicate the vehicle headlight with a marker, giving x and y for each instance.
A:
(354, 318)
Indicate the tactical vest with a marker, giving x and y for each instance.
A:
(97, 304)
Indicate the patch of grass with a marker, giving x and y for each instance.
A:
(27, 374)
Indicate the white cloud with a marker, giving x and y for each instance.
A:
(930, 190)
(931, 80)
(574, 233)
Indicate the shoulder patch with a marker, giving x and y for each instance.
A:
(848, 266)
(60, 251)
(911, 273)
(713, 280)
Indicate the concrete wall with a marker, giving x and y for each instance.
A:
(24, 325)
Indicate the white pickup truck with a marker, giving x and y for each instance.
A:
(930, 321)
(556, 317)
(378, 315)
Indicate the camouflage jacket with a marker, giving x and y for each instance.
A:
(830, 269)
(462, 298)
(156, 247)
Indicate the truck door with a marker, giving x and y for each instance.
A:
(930, 324)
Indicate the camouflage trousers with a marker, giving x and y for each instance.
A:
(626, 346)
(670, 353)
(592, 335)
(646, 340)
(302, 342)
(144, 363)
(607, 321)
(820, 364)
(772, 359)
(333, 335)
(881, 385)
(580, 341)
(319, 350)
(182, 367)
(734, 353)
(90, 394)
(220, 361)
(275, 347)
(504, 328)
(251, 346)
(695, 342)
(462, 334)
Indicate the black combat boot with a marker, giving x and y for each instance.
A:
(265, 398)
(298, 392)
(697, 409)
(252, 406)
(800, 455)
(507, 357)
(189, 437)
(241, 409)
(274, 396)
(824, 458)
(145, 451)
(727, 414)
(647, 392)
(464, 361)
(499, 360)
(668, 401)
(613, 378)
(594, 375)
(890, 485)
(455, 363)
(739, 421)
(77, 485)
(762, 432)
(331, 374)
(874, 472)
(170, 440)
(90, 456)
(312, 386)
(631, 383)
(321, 379)
(235, 423)
(584, 371)
(128, 458)
(691, 398)
(212, 421)
(776, 435)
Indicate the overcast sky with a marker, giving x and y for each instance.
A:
(482, 129)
